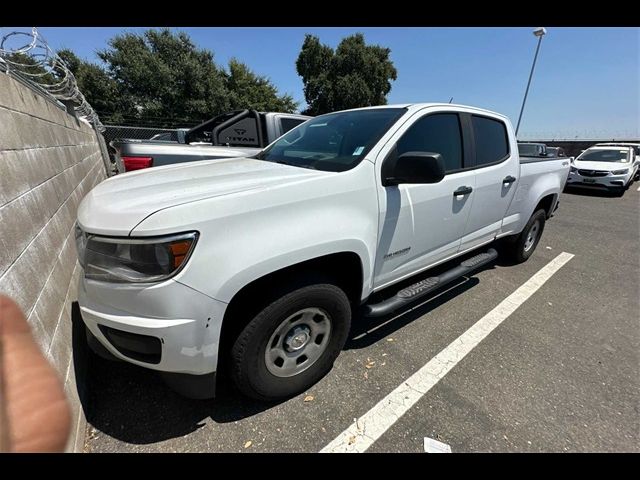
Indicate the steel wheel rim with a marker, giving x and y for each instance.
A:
(532, 236)
(298, 342)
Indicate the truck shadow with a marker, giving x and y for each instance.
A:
(134, 405)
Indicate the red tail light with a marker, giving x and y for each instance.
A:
(136, 163)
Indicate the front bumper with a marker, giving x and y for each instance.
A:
(183, 324)
(610, 182)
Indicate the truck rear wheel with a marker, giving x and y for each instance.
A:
(291, 343)
(522, 246)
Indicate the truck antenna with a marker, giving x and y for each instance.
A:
(451, 100)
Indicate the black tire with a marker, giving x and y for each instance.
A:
(619, 192)
(515, 246)
(249, 369)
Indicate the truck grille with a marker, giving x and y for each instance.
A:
(593, 173)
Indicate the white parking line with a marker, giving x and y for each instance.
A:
(368, 428)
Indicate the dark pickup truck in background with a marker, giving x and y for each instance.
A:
(556, 152)
(532, 149)
(236, 134)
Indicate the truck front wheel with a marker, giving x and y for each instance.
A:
(292, 343)
(521, 247)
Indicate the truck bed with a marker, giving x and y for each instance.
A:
(540, 159)
(556, 167)
(539, 178)
(231, 135)
(165, 153)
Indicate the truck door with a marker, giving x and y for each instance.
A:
(497, 167)
(422, 224)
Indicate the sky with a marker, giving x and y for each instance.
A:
(586, 82)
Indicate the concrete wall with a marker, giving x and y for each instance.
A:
(48, 161)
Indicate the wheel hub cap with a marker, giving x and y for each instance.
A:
(532, 236)
(298, 342)
(297, 338)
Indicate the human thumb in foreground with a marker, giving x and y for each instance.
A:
(34, 413)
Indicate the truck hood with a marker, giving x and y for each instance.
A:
(118, 204)
(608, 166)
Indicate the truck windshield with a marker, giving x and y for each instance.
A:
(604, 156)
(334, 142)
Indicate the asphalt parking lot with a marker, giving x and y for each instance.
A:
(560, 373)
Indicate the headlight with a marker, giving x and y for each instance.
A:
(81, 243)
(623, 171)
(573, 169)
(133, 260)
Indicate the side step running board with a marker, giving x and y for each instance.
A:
(418, 290)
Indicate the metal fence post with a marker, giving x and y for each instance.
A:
(112, 168)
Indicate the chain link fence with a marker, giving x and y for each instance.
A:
(578, 135)
(113, 132)
(573, 148)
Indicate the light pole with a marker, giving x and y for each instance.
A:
(538, 32)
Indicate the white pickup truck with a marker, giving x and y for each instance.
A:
(257, 265)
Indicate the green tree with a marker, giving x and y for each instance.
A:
(354, 75)
(164, 76)
(248, 90)
(99, 89)
(31, 69)
(161, 78)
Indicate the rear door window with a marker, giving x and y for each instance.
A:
(287, 124)
(492, 142)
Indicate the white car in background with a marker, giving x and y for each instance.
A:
(636, 149)
(605, 167)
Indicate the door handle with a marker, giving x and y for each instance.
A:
(462, 191)
(509, 179)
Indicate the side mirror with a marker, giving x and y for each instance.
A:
(415, 167)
